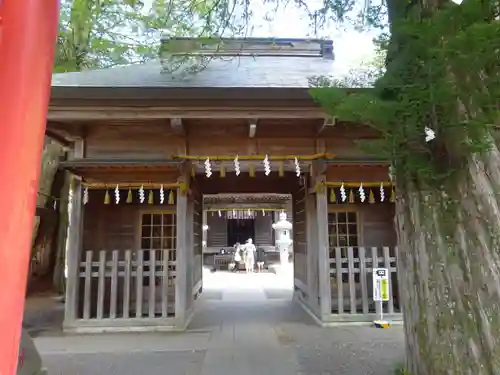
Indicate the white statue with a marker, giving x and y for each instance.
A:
(249, 255)
(283, 240)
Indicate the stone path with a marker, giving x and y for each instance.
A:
(245, 325)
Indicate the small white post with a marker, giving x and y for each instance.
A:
(381, 294)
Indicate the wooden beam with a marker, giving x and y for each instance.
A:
(62, 140)
(325, 307)
(328, 122)
(67, 130)
(63, 113)
(252, 128)
(177, 125)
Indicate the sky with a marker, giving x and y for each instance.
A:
(351, 47)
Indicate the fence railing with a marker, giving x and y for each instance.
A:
(122, 284)
(351, 280)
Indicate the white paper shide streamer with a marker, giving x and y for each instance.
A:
(429, 134)
(297, 167)
(208, 168)
(267, 166)
(362, 194)
(117, 194)
(237, 166)
(86, 195)
(382, 193)
(162, 195)
(343, 194)
(141, 194)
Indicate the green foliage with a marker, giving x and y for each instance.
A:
(442, 74)
(401, 371)
(103, 33)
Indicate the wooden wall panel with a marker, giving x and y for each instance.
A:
(219, 145)
(344, 148)
(155, 140)
(375, 222)
(217, 230)
(114, 226)
(360, 173)
(263, 230)
(286, 146)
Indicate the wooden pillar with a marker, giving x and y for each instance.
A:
(312, 252)
(204, 235)
(74, 243)
(181, 259)
(190, 253)
(325, 297)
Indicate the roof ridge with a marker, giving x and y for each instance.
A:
(247, 46)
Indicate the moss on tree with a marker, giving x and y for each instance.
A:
(441, 73)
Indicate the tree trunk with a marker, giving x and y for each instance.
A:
(45, 223)
(448, 266)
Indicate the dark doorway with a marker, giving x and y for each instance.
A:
(240, 230)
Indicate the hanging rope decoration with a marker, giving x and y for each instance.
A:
(266, 160)
(86, 195)
(333, 196)
(351, 196)
(267, 166)
(117, 195)
(371, 197)
(107, 199)
(141, 194)
(251, 171)
(281, 169)
(129, 196)
(162, 195)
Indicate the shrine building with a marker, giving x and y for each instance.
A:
(179, 158)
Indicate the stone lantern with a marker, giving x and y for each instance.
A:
(283, 240)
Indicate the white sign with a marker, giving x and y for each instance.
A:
(380, 284)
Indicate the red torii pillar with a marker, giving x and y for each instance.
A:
(28, 32)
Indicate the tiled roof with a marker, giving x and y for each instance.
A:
(286, 71)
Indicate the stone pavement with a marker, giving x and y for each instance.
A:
(245, 325)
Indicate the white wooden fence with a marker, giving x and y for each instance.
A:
(351, 282)
(127, 284)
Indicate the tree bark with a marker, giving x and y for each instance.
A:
(45, 224)
(448, 266)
